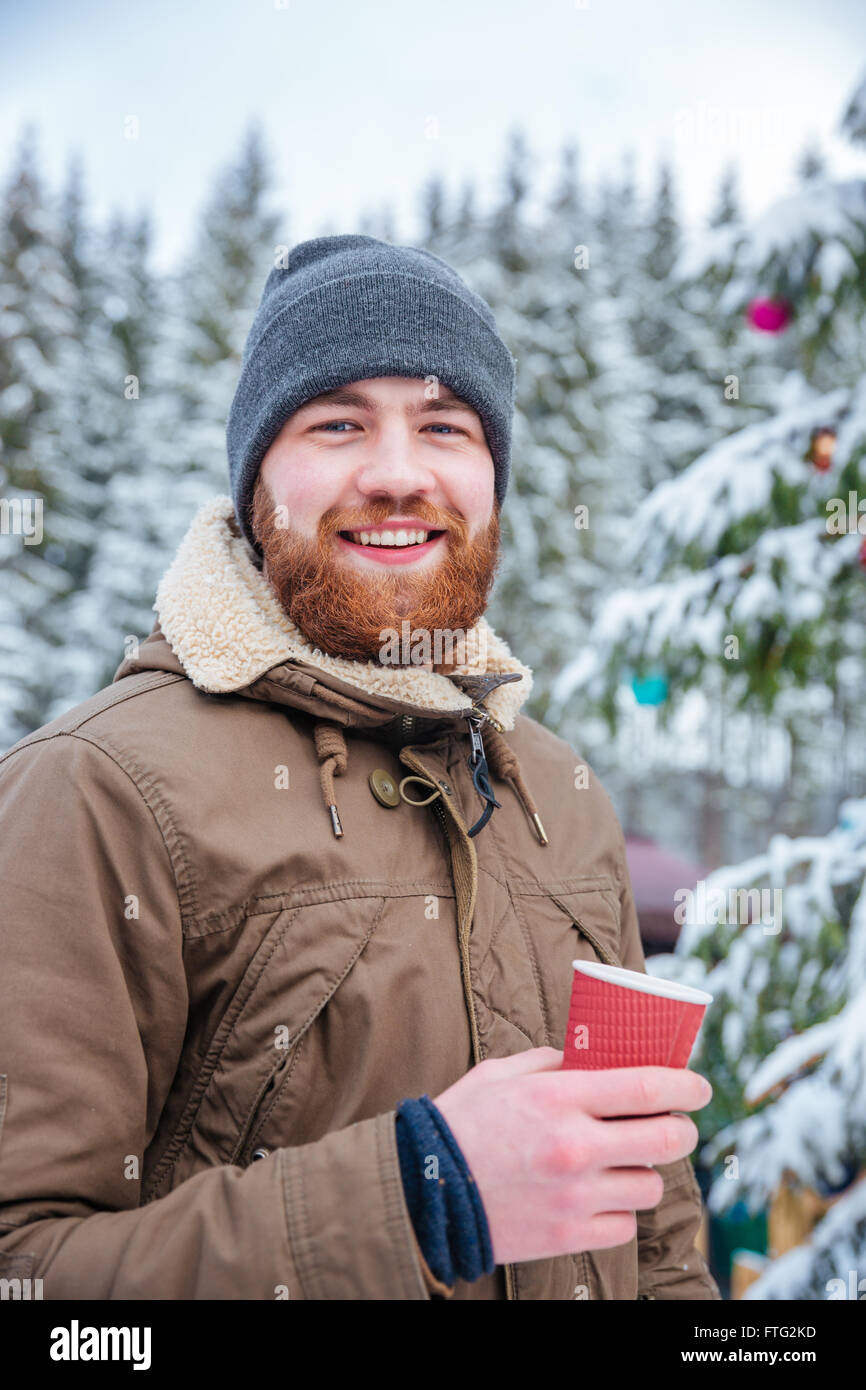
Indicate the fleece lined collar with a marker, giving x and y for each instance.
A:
(227, 628)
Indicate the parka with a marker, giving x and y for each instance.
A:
(243, 917)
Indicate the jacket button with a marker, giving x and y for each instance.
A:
(384, 788)
(259, 1153)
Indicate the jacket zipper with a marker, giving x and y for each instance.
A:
(266, 1088)
(463, 942)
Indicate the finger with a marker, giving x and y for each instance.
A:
(619, 1091)
(611, 1228)
(626, 1189)
(646, 1141)
(532, 1059)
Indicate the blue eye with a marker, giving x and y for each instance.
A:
(337, 426)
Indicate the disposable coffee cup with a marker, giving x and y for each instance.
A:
(625, 1018)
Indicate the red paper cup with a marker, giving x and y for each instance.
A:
(624, 1018)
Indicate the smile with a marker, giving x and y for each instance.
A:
(415, 537)
(392, 545)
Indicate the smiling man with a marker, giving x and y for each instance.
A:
(348, 562)
(285, 880)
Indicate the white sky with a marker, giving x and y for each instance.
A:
(346, 90)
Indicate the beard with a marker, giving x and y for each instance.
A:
(347, 613)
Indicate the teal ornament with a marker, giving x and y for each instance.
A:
(651, 690)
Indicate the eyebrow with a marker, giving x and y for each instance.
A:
(346, 395)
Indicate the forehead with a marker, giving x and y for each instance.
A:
(413, 393)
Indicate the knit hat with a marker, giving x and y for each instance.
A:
(347, 308)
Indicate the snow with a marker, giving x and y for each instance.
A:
(829, 1265)
(793, 1053)
(828, 210)
(810, 1087)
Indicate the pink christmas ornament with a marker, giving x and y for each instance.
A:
(769, 315)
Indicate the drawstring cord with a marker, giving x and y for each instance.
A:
(333, 755)
(503, 759)
(333, 758)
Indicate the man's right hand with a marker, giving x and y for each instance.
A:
(557, 1171)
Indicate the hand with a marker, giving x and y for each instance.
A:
(557, 1170)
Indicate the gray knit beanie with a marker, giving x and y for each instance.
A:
(348, 308)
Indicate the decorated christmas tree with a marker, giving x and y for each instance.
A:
(749, 597)
(748, 568)
(780, 943)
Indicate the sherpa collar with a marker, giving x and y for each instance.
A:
(227, 628)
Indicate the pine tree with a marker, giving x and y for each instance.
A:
(38, 321)
(112, 474)
(743, 583)
(780, 943)
(748, 597)
(173, 433)
(538, 279)
(115, 418)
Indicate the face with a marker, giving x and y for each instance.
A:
(374, 505)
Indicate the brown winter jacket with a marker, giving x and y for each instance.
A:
(212, 1001)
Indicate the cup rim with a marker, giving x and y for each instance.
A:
(643, 984)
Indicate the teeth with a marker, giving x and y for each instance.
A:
(389, 537)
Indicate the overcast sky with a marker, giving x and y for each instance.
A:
(361, 102)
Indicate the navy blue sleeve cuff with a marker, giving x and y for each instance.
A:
(441, 1194)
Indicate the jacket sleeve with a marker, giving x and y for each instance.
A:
(669, 1264)
(93, 1013)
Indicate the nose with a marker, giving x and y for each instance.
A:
(393, 465)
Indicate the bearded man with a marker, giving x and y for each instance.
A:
(290, 908)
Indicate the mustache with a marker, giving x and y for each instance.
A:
(435, 518)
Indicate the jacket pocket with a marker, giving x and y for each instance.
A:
(305, 955)
(368, 913)
(264, 1100)
(561, 922)
(594, 917)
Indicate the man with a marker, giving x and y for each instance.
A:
(304, 865)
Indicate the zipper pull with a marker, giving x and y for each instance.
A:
(479, 687)
(479, 769)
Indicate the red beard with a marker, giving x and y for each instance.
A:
(346, 613)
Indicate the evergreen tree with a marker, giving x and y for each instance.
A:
(115, 417)
(39, 300)
(174, 428)
(114, 483)
(780, 943)
(541, 282)
(745, 580)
